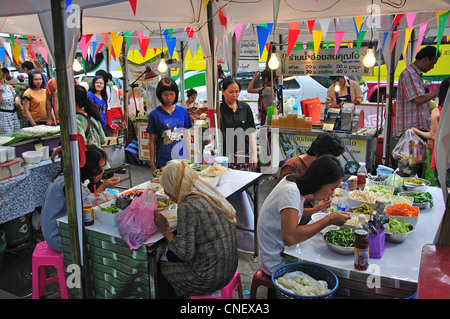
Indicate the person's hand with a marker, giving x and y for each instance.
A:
(339, 218)
(162, 225)
(256, 74)
(49, 122)
(153, 167)
(56, 152)
(352, 183)
(322, 204)
(111, 182)
(124, 125)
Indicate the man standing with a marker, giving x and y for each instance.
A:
(343, 90)
(413, 109)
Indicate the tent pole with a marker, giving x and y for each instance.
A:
(123, 63)
(389, 107)
(62, 88)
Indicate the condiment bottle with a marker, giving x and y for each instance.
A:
(361, 176)
(88, 215)
(361, 256)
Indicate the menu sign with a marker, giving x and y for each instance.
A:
(325, 63)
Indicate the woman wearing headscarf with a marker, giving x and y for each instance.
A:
(202, 258)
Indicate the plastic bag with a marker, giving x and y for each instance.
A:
(136, 223)
(410, 149)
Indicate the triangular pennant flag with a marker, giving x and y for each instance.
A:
(305, 45)
(190, 32)
(338, 35)
(100, 46)
(13, 40)
(317, 38)
(116, 42)
(394, 39)
(16, 52)
(133, 5)
(94, 48)
(38, 40)
(442, 22)
(270, 27)
(127, 36)
(238, 31)
(397, 19)
(43, 51)
(384, 40)
(168, 32)
(22, 53)
(407, 37)
(29, 39)
(140, 34)
(205, 3)
(349, 44)
(311, 25)
(84, 45)
(143, 45)
(438, 14)
(2, 54)
(293, 36)
(359, 40)
(294, 24)
(68, 4)
(170, 41)
(33, 54)
(106, 37)
(358, 21)
(222, 18)
(410, 17)
(110, 52)
(263, 34)
(324, 25)
(267, 46)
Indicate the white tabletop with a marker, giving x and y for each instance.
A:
(237, 181)
(400, 261)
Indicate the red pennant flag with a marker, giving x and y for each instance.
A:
(190, 32)
(397, 19)
(268, 48)
(33, 54)
(106, 37)
(143, 44)
(99, 47)
(311, 25)
(133, 5)
(222, 17)
(293, 36)
(394, 39)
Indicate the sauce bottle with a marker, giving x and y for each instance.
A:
(88, 215)
(361, 256)
(361, 176)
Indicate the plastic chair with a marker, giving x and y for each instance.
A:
(260, 278)
(227, 291)
(45, 256)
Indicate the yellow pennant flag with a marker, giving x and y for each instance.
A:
(16, 52)
(317, 38)
(407, 37)
(116, 42)
(205, 3)
(358, 23)
(438, 14)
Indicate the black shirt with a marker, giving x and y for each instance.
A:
(241, 124)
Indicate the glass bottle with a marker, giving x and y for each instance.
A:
(361, 255)
(361, 176)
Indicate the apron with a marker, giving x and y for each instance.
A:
(344, 98)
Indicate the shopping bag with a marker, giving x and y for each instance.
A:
(136, 223)
(410, 149)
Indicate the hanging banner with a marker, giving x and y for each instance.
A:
(305, 62)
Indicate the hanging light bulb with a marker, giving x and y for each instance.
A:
(274, 63)
(77, 67)
(162, 66)
(337, 87)
(369, 58)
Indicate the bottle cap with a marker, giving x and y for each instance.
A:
(345, 184)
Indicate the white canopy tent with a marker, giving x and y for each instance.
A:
(33, 17)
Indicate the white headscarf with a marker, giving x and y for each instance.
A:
(180, 180)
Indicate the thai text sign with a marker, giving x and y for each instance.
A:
(325, 63)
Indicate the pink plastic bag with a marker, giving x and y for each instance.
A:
(136, 223)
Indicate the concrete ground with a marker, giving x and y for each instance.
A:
(15, 267)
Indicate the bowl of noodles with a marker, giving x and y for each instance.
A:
(215, 174)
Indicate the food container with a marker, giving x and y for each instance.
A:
(338, 249)
(318, 216)
(421, 206)
(3, 154)
(315, 271)
(221, 160)
(398, 214)
(398, 238)
(171, 215)
(32, 157)
(105, 217)
(415, 187)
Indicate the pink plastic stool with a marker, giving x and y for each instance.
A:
(45, 256)
(227, 291)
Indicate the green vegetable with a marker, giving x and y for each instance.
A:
(395, 181)
(377, 189)
(422, 198)
(109, 209)
(398, 227)
(341, 237)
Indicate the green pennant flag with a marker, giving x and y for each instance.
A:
(442, 22)
(127, 35)
(359, 40)
(13, 40)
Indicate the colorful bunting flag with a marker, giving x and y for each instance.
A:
(100, 46)
(13, 40)
(394, 39)
(410, 17)
(43, 51)
(133, 5)
(317, 38)
(190, 32)
(311, 25)
(222, 18)
(358, 22)
(238, 31)
(127, 36)
(143, 45)
(263, 34)
(116, 42)
(16, 52)
(338, 35)
(359, 40)
(442, 22)
(407, 37)
(397, 19)
(68, 4)
(292, 39)
(2, 54)
(170, 41)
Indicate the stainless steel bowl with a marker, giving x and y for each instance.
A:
(411, 187)
(398, 238)
(420, 205)
(338, 249)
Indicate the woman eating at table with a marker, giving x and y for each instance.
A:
(34, 99)
(202, 257)
(278, 223)
(238, 126)
(54, 206)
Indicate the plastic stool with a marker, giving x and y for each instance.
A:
(45, 256)
(260, 278)
(227, 291)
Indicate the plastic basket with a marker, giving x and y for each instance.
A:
(315, 271)
(377, 243)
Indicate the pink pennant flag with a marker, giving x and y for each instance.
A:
(305, 45)
(410, 19)
(140, 34)
(238, 31)
(38, 40)
(84, 45)
(43, 51)
(311, 25)
(422, 29)
(397, 19)
(293, 36)
(338, 36)
(394, 39)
